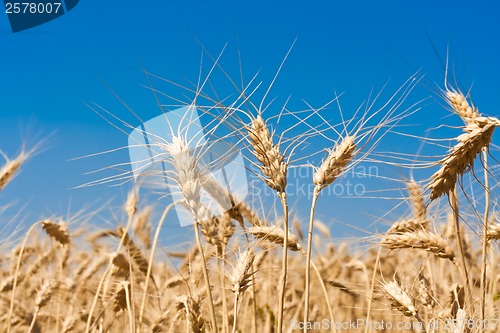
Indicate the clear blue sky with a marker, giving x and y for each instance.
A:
(48, 72)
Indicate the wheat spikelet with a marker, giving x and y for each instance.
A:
(493, 231)
(417, 199)
(120, 298)
(69, 323)
(419, 240)
(408, 225)
(241, 275)
(272, 162)
(191, 306)
(40, 262)
(58, 231)
(135, 252)
(456, 300)
(275, 235)
(334, 164)
(131, 203)
(161, 322)
(400, 299)
(461, 157)
(122, 265)
(44, 294)
(298, 230)
(142, 227)
(210, 231)
(460, 105)
(322, 228)
(226, 228)
(460, 324)
(246, 212)
(174, 281)
(341, 287)
(425, 292)
(187, 177)
(9, 170)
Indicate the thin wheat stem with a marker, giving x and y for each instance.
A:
(225, 313)
(33, 320)
(282, 287)
(453, 195)
(372, 289)
(325, 293)
(151, 258)
(308, 257)
(235, 311)
(485, 232)
(130, 312)
(205, 277)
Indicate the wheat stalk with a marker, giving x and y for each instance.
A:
(188, 179)
(240, 279)
(331, 168)
(275, 168)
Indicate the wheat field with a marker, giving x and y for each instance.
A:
(433, 269)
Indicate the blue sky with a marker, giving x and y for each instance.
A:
(48, 73)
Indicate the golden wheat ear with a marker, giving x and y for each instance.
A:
(400, 299)
(9, 169)
(272, 161)
(55, 230)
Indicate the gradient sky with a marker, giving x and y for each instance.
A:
(48, 73)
